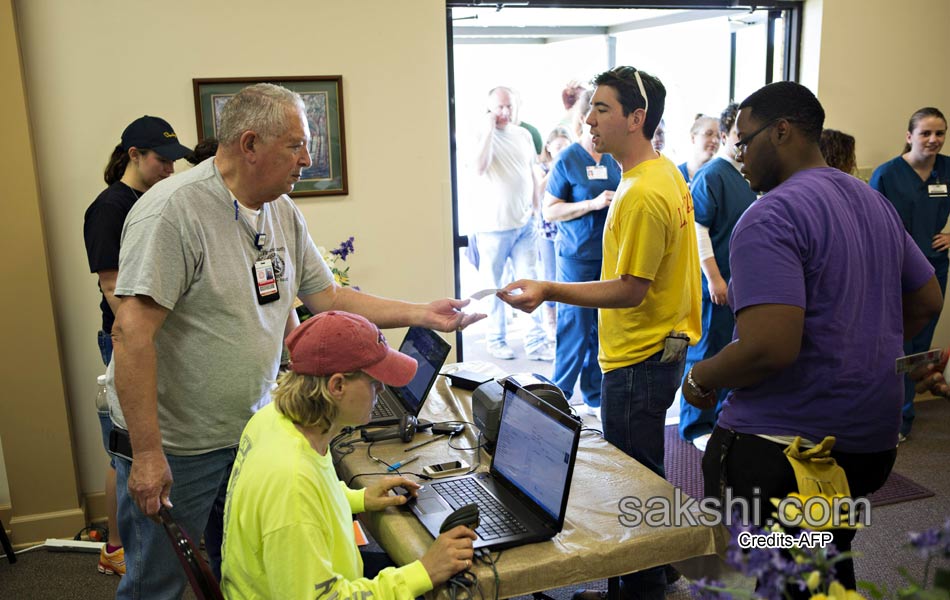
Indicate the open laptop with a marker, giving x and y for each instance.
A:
(430, 351)
(523, 497)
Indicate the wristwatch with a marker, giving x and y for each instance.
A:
(695, 386)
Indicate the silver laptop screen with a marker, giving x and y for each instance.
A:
(534, 452)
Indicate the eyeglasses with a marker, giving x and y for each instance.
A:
(627, 73)
(742, 144)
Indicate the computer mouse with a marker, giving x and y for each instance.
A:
(401, 491)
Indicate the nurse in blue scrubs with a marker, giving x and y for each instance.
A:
(704, 141)
(720, 196)
(916, 184)
(579, 190)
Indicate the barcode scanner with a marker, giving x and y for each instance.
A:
(467, 515)
(406, 430)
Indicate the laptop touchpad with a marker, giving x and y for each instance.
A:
(431, 505)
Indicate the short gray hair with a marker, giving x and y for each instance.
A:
(261, 108)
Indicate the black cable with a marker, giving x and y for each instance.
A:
(369, 453)
(101, 530)
(483, 555)
(595, 430)
(478, 453)
(478, 445)
(341, 447)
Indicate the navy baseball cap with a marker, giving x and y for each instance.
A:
(153, 133)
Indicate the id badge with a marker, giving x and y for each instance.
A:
(597, 172)
(937, 190)
(264, 281)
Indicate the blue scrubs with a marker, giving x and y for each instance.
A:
(924, 213)
(576, 177)
(720, 196)
(684, 171)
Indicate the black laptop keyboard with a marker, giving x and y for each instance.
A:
(494, 519)
(381, 410)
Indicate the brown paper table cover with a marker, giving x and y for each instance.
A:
(593, 544)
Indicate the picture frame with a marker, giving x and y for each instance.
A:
(323, 98)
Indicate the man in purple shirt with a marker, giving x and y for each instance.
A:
(826, 285)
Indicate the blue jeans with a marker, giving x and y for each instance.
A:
(494, 250)
(152, 567)
(635, 401)
(920, 343)
(105, 347)
(548, 270)
(577, 345)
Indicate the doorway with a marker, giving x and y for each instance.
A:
(705, 57)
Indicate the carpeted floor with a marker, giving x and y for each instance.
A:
(42, 575)
(683, 463)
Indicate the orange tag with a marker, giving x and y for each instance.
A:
(358, 533)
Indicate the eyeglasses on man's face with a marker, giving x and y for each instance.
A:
(743, 143)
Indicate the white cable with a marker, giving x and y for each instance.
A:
(30, 548)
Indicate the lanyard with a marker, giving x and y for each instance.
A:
(256, 232)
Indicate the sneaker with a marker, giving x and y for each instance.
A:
(593, 411)
(545, 353)
(112, 564)
(501, 351)
(701, 441)
(901, 438)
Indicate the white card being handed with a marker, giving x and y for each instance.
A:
(906, 364)
(482, 293)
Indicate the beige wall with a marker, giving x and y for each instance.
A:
(877, 62)
(34, 420)
(92, 67)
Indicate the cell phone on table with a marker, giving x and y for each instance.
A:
(453, 467)
(119, 443)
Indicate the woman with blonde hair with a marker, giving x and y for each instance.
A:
(704, 138)
(288, 524)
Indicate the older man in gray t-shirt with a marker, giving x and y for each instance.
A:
(210, 264)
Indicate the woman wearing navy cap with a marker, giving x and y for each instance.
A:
(916, 184)
(145, 156)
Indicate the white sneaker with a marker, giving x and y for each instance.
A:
(593, 411)
(701, 442)
(501, 351)
(545, 353)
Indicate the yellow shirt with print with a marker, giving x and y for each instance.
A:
(650, 234)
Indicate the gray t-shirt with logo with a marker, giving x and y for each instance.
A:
(185, 245)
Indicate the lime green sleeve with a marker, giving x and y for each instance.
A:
(355, 498)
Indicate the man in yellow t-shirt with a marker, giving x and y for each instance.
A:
(650, 284)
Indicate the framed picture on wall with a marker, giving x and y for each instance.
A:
(323, 97)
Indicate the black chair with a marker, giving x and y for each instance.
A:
(5, 541)
(199, 573)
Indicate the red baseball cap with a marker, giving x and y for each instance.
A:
(341, 342)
